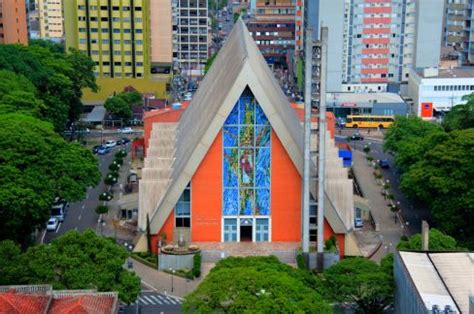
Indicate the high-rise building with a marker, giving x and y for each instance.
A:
(117, 35)
(373, 43)
(13, 24)
(459, 28)
(161, 33)
(273, 29)
(191, 36)
(50, 15)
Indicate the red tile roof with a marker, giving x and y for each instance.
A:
(13, 302)
(83, 304)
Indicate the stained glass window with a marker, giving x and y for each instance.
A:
(246, 161)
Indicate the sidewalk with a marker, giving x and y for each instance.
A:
(388, 229)
(161, 281)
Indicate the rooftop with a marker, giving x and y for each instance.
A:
(449, 73)
(364, 97)
(442, 278)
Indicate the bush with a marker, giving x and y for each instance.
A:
(114, 166)
(101, 209)
(106, 196)
(110, 179)
(330, 245)
(197, 265)
(121, 153)
(300, 262)
(370, 158)
(366, 149)
(118, 161)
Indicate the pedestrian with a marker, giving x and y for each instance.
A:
(368, 131)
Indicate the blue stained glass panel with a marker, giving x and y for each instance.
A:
(231, 136)
(247, 201)
(262, 136)
(233, 117)
(231, 166)
(246, 136)
(262, 168)
(262, 206)
(231, 202)
(260, 117)
(246, 107)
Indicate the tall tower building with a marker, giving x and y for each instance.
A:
(117, 35)
(459, 28)
(191, 36)
(13, 23)
(273, 29)
(373, 43)
(50, 15)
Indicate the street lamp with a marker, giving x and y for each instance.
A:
(172, 271)
(129, 248)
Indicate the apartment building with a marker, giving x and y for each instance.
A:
(50, 19)
(273, 29)
(190, 36)
(13, 24)
(373, 43)
(459, 28)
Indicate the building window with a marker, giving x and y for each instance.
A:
(230, 230)
(262, 229)
(183, 209)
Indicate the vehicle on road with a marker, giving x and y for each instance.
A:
(103, 150)
(188, 96)
(110, 143)
(358, 222)
(123, 141)
(383, 163)
(59, 208)
(126, 130)
(52, 225)
(95, 149)
(357, 137)
(367, 121)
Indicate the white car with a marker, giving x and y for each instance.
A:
(126, 130)
(358, 222)
(110, 143)
(52, 225)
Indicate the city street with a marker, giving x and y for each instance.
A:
(150, 301)
(81, 215)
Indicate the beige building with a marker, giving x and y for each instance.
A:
(50, 16)
(13, 28)
(161, 28)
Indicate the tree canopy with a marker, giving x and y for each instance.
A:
(37, 165)
(72, 261)
(360, 281)
(438, 242)
(461, 116)
(122, 104)
(437, 170)
(256, 285)
(58, 78)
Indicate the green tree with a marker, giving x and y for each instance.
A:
(209, 62)
(74, 261)
(10, 263)
(36, 165)
(122, 104)
(360, 281)
(254, 285)
(461, 116)
(438, 242)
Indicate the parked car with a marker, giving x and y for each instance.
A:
(53, 224)
(103, 150)
(357, 137)
(126, 130)
(110, 143)
(383, 163)
(358, 222)
(95, 149)
(123, 141)
(59, 209)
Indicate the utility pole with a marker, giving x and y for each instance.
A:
(322, 148)
(307, 140)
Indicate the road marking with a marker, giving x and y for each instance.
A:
(171, 300)
(148, 299)
(59, 226)
(157, 299)
(79, 218)
(143, 301)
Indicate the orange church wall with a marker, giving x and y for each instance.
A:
(206, 196)
(328, 232)
(167, 228)
(285, 195)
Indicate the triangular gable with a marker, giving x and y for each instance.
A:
(239, 64)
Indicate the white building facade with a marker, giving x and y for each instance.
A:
(434, 91)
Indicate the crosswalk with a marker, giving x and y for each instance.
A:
(157, 299)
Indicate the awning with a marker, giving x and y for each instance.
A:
(96, 115)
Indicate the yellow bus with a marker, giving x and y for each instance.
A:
(366, 121)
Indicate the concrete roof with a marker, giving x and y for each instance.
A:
(442, 278)
(363, 98)
(467, 72)
(239, 64)
(96, 115)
